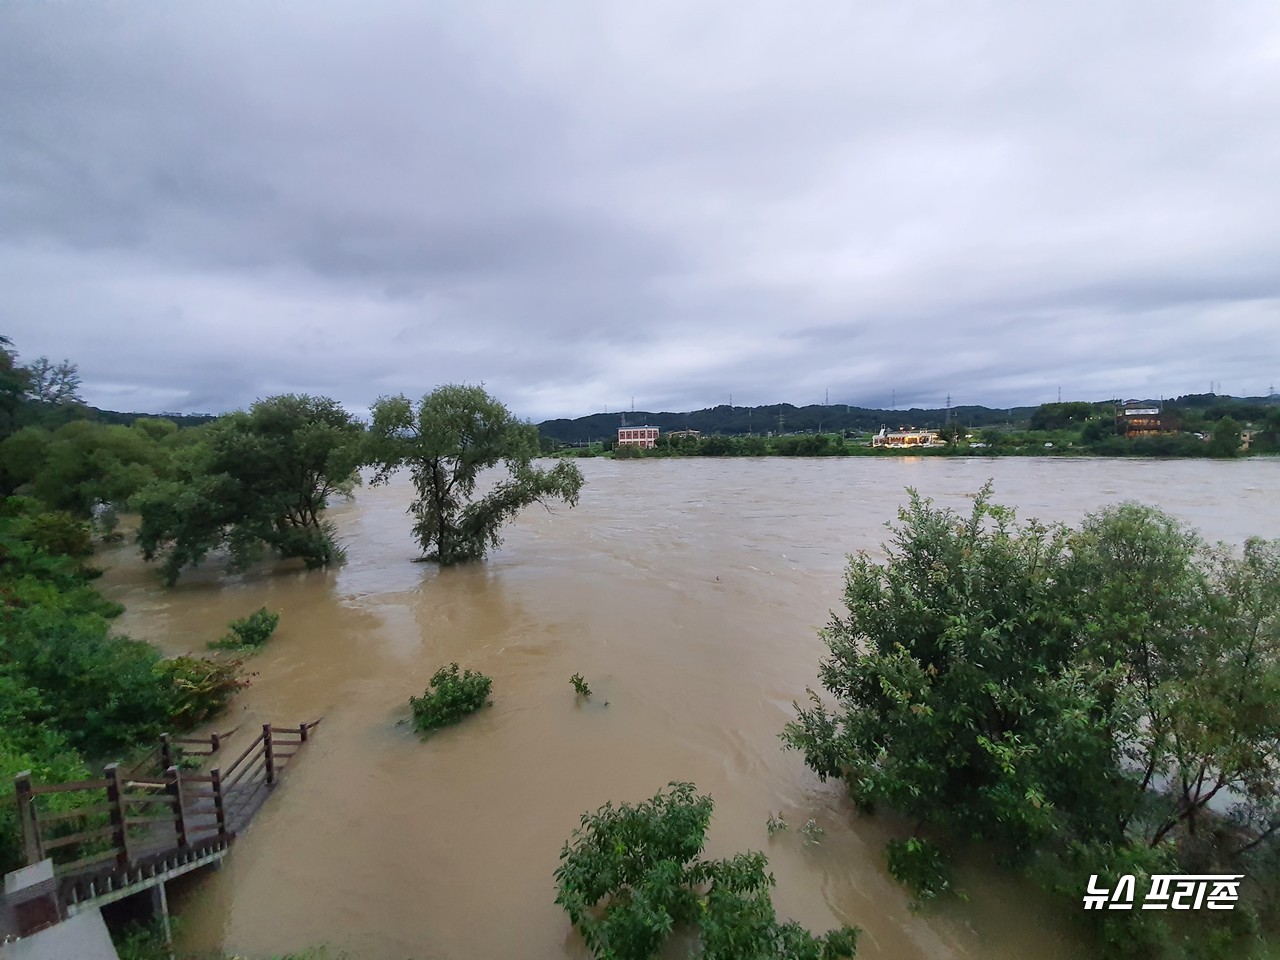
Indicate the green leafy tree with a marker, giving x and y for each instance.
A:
(453, 434)
(83, 464)
(1060, 416)
(1225, 439)
(256, 481)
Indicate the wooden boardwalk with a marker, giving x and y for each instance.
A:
(136, 828)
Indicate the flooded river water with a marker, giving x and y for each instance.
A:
(688, 593)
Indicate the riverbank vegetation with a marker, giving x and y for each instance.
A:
(73, 693)
(1099, 700)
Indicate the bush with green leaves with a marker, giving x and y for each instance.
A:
(631, 874)
(252, 631)
(580, 686)
(449, 698)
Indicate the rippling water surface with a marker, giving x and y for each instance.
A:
(688, 593)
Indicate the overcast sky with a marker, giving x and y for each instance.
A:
(578, 203)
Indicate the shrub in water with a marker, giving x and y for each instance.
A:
(251, 631)
(631, 873)
(449, 698)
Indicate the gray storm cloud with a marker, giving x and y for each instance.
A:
(582, 203)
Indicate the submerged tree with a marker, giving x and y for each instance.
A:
(256, 481)
(1075, 699)
(453, 434)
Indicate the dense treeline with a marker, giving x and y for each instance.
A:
(1093, 701)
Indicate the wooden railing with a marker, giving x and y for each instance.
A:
(135, 816)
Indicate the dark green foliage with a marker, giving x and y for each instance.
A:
(449, 697)
(1060, 416)
(101, 691)
(1225, 441)
(251, 631)
(580, 686)
(1074, 699)
(81, 464)
(27, 743)
(919, 866)
(446, 440)
(255, 482)
(14, 381)
(630, 874)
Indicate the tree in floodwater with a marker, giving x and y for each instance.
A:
(1098, 701)
(256, 481)
(452, 434)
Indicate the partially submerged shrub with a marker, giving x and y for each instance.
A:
(580, 686)
(629, 874)
(449, 698)
(251, 631)
(201, 687)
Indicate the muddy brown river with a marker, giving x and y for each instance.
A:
(688, 593)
